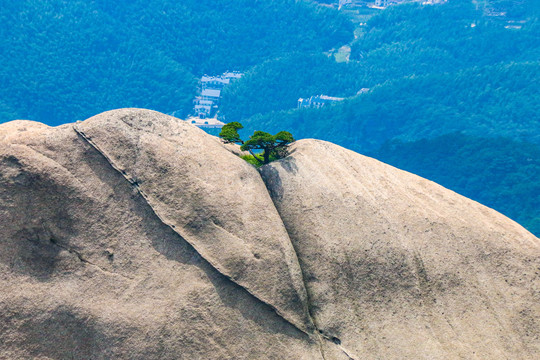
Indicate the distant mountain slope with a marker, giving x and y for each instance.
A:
(488, 101)
(66, 60)
(400, 42)
(278, 83)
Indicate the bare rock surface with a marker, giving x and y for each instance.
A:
(133, 235)
(398, 267)
(213, 199)
(89, 271)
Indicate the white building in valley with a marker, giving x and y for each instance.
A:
(205, 105)
(318, 101)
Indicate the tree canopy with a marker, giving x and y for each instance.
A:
(229, 133)
(272, 146)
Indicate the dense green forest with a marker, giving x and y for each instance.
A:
(278, 83)
(67, 60)
(491, 101)
(403, 41)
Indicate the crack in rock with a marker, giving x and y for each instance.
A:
(272, 182)
(317, 333)
(135, 184)
(83, 260)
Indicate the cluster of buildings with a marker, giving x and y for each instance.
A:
(318, 101)
(206, 103)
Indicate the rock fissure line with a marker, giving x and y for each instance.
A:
(319, 342)
(319, 333)
(83, 260)
(347, 353)
(135, 184)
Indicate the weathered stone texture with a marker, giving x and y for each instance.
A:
(399, 267)
(133, 235)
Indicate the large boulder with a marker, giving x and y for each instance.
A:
(398, 267)
(134, 235)
(188, 259)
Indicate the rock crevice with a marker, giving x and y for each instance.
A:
(135, 184)
(388, 258)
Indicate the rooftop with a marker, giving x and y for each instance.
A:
(211, 93)
(205, 123)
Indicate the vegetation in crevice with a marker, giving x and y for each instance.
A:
(271, 147)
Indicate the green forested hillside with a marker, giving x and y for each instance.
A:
(491, 101)
(64, 61)
(278, 83)
(67, 60)
(400, 42)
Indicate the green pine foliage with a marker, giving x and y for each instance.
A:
(272, 147)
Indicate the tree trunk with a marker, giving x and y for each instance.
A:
(255, 156)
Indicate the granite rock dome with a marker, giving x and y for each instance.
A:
(133, 235)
